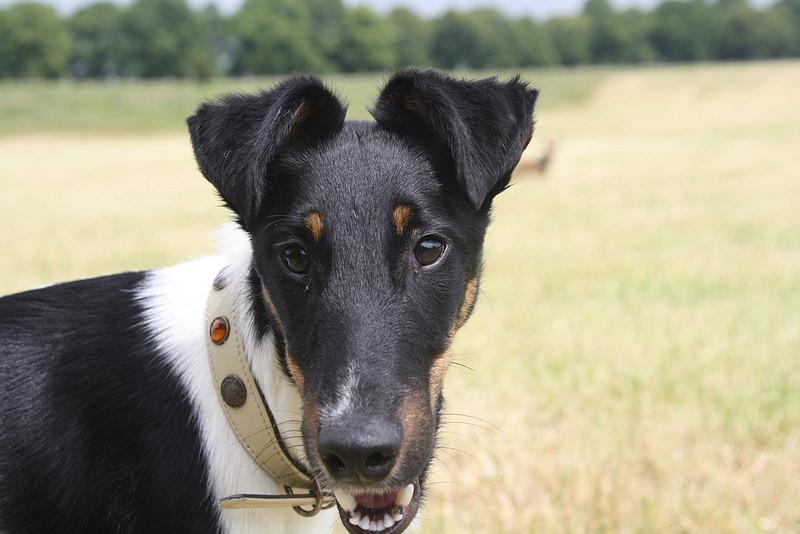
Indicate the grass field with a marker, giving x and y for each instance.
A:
(634, 362)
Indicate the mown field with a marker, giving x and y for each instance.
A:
(634, 362)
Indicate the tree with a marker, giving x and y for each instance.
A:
(367, 43)
(792, 6)
(223, 46)
(163, 38)
(412, 38)
(790, 11)
(533, 45)
(327, 18)
(609, 40)
(684, 31)
(274, 37)
(496, 47)
(96, 32)
(35, 42)
(478, 39)
(571, 39)
(636, 27)
(749, 34)
(454, 41)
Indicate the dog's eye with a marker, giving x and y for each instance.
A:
(295, 259)
(428, 251)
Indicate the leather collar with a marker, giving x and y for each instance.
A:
(248, 414)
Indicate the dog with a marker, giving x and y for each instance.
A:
(356, 256)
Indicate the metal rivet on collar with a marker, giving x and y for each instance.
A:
(219, 330)
(219, 281)
(233, 391)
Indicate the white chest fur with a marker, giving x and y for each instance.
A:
(174, 300)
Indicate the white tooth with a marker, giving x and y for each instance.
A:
(404, 497)
(373, 526)
(355, 519)
(398, 516)
(345, 500)
(364, 523)
(388, 521)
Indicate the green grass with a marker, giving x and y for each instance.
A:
(158, 106)
(634, 361)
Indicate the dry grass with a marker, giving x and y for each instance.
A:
(638, 343)
(634, 363)
(80, 206)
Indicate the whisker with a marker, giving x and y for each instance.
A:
(448, 482)
(463, 366)
(445, 464)
(487, 425)
(451, 453)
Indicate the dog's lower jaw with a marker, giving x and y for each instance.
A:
(385, 513)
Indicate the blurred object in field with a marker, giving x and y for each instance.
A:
(539, 165)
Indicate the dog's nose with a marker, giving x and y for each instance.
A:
(359, 453)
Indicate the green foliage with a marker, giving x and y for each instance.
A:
(274, 37)
(789, 11)
(571, 38)
(96, 32)
(162, 38)
(454, 41)
(367, 42)
(478, 39)
(35, 42)
(327, 26)
(165, 38)
(412, 38)
(635, 26)
(756, 35)
(532, 45)
(792, 6)
(613, 37)
(685, 31)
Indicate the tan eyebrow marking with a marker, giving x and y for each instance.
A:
(401, 216)
(315, 224)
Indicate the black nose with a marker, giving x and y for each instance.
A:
(358, 451)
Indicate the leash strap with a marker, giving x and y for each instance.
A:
(248, 414)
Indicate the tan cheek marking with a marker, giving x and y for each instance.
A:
(401, 216)
(315, 224)
(295, 371)
(310, 428)
(417, 426)
(470, 295)
(272, 308)
(438, 371)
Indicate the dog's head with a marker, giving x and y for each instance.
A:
(367, 241)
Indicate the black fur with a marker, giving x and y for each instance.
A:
(98, 436)
(485, 125)
(235, 140)
(92, 423)
(440, 146)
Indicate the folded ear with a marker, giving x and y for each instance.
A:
(236, 139)
(484, 124)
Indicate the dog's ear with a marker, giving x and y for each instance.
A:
(484, 124)
(236, 139)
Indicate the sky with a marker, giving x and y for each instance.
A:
(539, 9)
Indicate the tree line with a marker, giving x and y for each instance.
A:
(166, 38)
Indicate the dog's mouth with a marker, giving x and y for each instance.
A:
(386, 513)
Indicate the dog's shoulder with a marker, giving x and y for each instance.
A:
(57, 316)
(85, 385)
